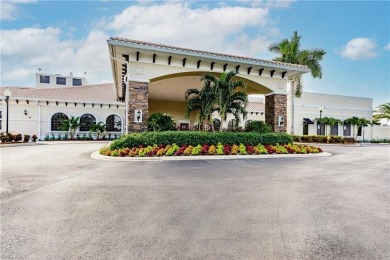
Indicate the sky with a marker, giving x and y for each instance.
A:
(70, 36)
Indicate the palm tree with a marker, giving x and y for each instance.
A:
(327, 122)
(98, 128)
(230, 95)
(202, 101)
(290, 53)
(356, 122)
(383, 112)
(70, 125)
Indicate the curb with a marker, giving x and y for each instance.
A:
(97, 156)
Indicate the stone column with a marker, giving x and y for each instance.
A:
(276, 112)
(138, 99)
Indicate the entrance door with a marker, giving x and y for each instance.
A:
(184, 126)
(305, 129)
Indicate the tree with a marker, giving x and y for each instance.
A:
(202, 101)
(70, 125)
(230, 95)
(98, 128)
(290, 52)
(383, 112)
(327, 122)
(356, 122)
(160, 122)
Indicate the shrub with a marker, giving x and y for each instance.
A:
(34, 138)
(258, 126)
(17, 137)
(195, 137)
(6, 138)
(323, 139)
(26, 138)
(160, 122)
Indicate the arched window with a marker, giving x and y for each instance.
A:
(247, 123)
(56, 120)
(217, 124)
(232, 125)
(86, 121)
(113, 124)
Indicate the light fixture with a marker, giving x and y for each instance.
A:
(25, 112)
(7, 93)
(319, 123)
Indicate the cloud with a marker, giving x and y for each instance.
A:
(214, 29)
(9, 9)
(227, 29)
(24, 51)
(359, 49)
(387, 47)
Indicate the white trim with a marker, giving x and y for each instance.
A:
(122, 123)
(68, 101)
(49, 121)
(333, 107)
(275, 93)
(139, 80)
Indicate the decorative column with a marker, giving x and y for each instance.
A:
(276, 112)
(138, 106)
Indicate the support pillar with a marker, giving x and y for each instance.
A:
(276, 112)
(138, 100)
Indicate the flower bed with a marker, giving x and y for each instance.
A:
(330, 139)
(205, 149)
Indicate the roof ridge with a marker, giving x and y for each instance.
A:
(205, 52)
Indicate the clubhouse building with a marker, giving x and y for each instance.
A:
(149, 77)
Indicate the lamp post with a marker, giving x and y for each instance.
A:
(7, 93)
(320, 108)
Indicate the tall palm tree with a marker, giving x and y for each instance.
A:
(290, 52)
(383, 112)
(327, 122)
(356, 122)
(202, 101)
(231, 97)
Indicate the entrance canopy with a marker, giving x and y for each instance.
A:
(170, 70)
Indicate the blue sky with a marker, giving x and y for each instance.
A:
(70, 36)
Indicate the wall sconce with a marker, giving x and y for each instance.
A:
(280, 121)
(262, 113)
(138, 116)
(25, 112)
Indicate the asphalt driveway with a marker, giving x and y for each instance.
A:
(58, 203)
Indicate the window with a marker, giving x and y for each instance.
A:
(334, 130)
(347, 130)
(305, 129)
(56, 120)
(216, 124)
(232, 125)
(247, 123)
(113, 123)
(320, 130)
(1, 116)
(359, 133)
(77, 82)
(44, 79)
(61, 81)
(86, 121)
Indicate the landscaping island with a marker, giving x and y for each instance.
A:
(193, 143)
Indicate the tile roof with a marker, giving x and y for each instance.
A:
(88, 93)
(255, 107)
(209, 53)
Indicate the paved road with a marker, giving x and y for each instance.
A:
(57, 203)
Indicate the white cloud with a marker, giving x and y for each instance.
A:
(359, 49)
(177, 24)
(9, 9)
(24, 51)
(387, 47)
(222, 29)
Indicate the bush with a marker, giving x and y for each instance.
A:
(26, 138)
(17, 137)
(323, 139)
(160, 122)
(194, 138)
(34, 138)
(258, 126)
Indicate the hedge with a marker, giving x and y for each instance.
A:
(323, 139)
(196, 137)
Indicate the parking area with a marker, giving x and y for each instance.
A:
(58, 203)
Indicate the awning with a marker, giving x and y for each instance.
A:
(307, 121)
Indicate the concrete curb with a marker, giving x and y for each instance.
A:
(96, 155)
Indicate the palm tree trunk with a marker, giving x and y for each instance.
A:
(292, 92)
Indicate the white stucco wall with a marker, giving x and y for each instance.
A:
(39, 115)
